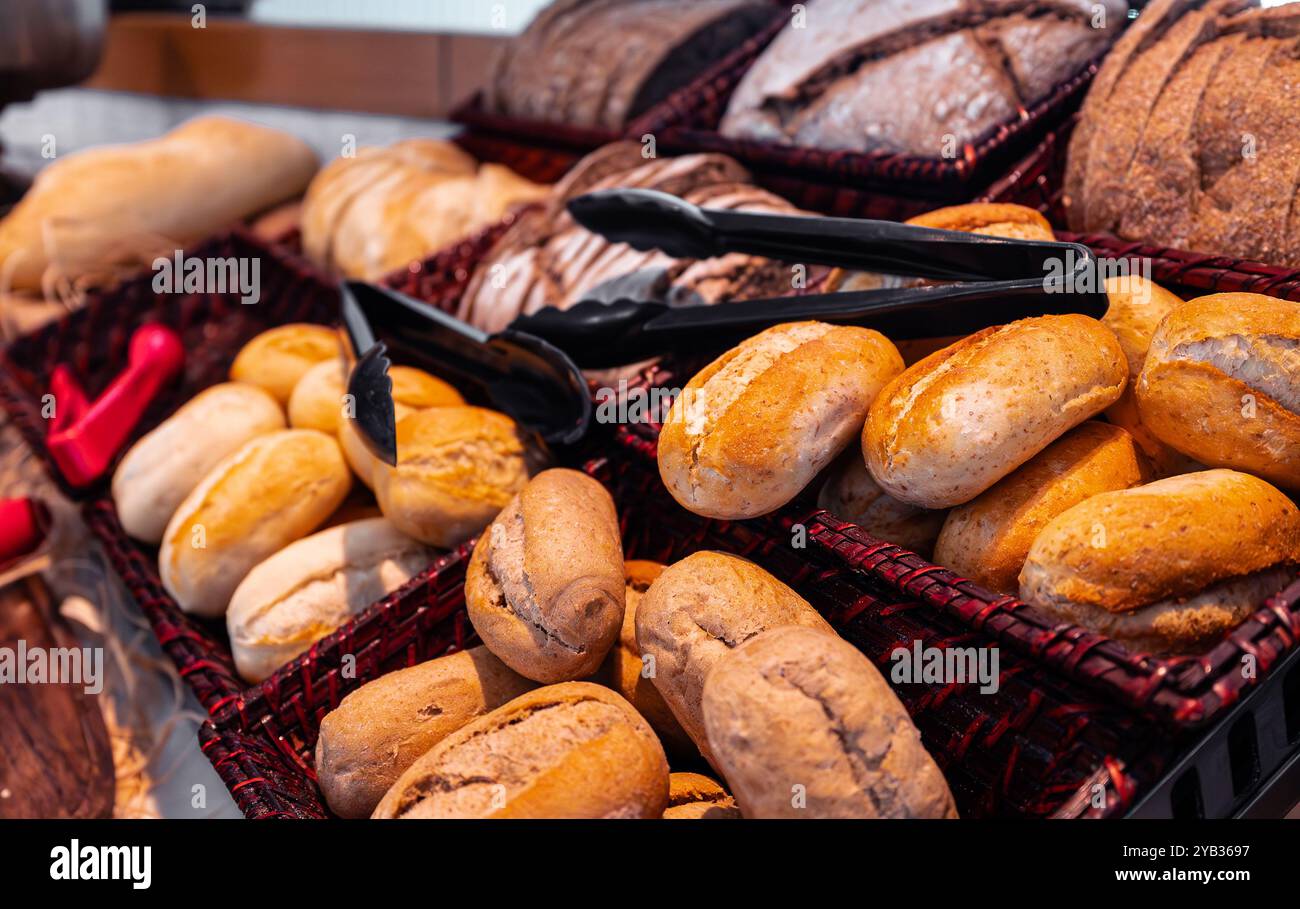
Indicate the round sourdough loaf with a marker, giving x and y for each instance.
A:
(756, 425)
(803, 726)
(963, 418)
(1168, 567)
(1221, 384)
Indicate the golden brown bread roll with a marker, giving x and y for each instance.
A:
(696, 797)
(757, 424)
(850, 493)
(573, 750)
(318, 399)
(1221, 384)
(963, 418)
(544, 588)
(699, 609)
(277, 488)
(1168, 567)
(457, 467)
(803, 726)
(279, 357)
(994, 219)
(988, 538)
(382, 728)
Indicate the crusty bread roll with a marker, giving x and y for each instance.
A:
(125, 204)
(696, 797)
(318, 399)
(1137, 306)
(457, 467)
(803, 726)
(383, 727)
(312, 586)
(994, 219)
(988, 538)
(696, 611)
(1169, 567)
(850, 493)
(544, 589)
(623, 669)
(963, 418)
(275, 489)
(279, 357)
(757, 424)
(573, 750)
(1221, 384)
(161, 469)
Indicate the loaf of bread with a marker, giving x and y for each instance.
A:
(851, 494)
(955, 423)
(161, 469)
(383, 727)
(278, 358)
(318, 400)
(603, 63)
(803, 726)
(988, 538)
(573, 750)
(755, 426)
(312, 586)
(1189, 134)
(275, 489)
(544, 589)
(1221, 384)
(699, 609)
(921, 78)
(1170, 567)
(123, 205)
(696, 797)
(457, 467)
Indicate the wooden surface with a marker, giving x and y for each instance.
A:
(415, 74)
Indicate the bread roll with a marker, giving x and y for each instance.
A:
(318, 399)
(277, 488)
(279, 357)
(995, 219)
(758, 423)
(960, 420)
(457, 467)
(695, 797)
(573, 750)
(988, 538)
(696, 612)
(803, 726)
(125, 204)
(161, 469)
(1221, 384)
(311, 587)
(851, 494)
(383, 727)
(1169, 567)
(544, 588)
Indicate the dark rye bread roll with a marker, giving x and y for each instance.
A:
(603, 63)
(1190, 136)
(547, 259)
(836, 78)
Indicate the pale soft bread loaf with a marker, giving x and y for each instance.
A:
(277, 488)
(125, 204)
(279, 357)
(573, 750)
(544, 588)
(318, 400)
(1168, 567)
(699, 609)
(1221, 384)
(1137, 307)
(696, 797)
(382, 728)
(457, 467)
(988, 538)
(955, 423)
(851, 493)
(312, 586)
(757, 424)
(803, 726)
(164, 466)
(623, 669)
